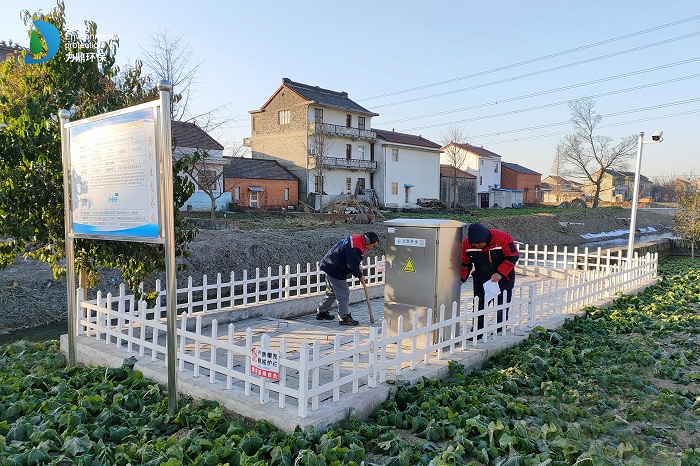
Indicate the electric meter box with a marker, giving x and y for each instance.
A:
(423, 265)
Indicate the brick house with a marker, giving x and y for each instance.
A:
(263, 184)
(514, 176)
(321, 136)
(556, 189)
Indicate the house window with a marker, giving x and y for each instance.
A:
(286, 194)
(348, 151)
(481, 181)
(254, 198)
(481, 162)
(495, 168)
(361, 122)
(348, 185)
(394, 155)
(284, 117)
(253, 123)
(395, 188)
(361, 152)
(318, 115)
(237, 193)
(318, 182)
(348, 121)
(206, 179)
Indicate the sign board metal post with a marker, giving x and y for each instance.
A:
(118, 185)
(169, 232)
(64, 116)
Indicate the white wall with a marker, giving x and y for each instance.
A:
(416, 166)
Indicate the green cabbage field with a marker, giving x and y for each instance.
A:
(618, 386)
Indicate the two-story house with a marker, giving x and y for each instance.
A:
(483, 164)
(517, 177)
(618, 186)
(321, 136)
(557, 189)
(409, 169)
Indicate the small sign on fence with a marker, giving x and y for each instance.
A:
(265, 363)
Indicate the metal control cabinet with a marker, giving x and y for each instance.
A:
(423, 264)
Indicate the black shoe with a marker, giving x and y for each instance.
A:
(324, 316)
(348, 320)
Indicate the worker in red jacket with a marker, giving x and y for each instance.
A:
(493, 255)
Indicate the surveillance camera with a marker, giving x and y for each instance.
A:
(657, 136)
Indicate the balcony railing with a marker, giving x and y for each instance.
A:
(344, 131)
(352, 164)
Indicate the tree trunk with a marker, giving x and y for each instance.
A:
(596, 197)
(213, 208)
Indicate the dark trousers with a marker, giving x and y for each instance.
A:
(506, 291)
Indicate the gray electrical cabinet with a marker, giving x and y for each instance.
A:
(423, 265)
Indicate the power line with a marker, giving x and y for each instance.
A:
(532, 60)
(549, 91)
(535, 73)
(608, 125)
(553, 104)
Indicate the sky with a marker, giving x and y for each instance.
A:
(502, 71)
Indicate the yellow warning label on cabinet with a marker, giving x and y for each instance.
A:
(409, 266)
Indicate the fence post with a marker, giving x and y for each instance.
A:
(531, 293)
(197, 345)
(373, 346)
(121, 309)
(399, 344)
(264, 382)
(303, 405)
(566, 257)
(79, 309)
(283, 372)
(212, 349)
(248, 347)
(356, 360)
(315, 374)
(189, 295)
(229, 357)
(205, 292)
(183, 341)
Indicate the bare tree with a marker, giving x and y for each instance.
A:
(558, 171)
(319, 145)
(454, 155)
(207, 171)
(588, 154)
(170, 57)
(688, 217)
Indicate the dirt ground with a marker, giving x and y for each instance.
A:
(30, 297)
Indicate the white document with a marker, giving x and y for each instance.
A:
(491, 290)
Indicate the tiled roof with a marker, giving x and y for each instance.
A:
(257, 169)
(448, 171)
(8, 49)
(519, 169)
(626, 174)
(562, 181)
(480, 151)
(191, 135)
(326, 97)
(402, 138)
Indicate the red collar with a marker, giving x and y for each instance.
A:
(358, 241)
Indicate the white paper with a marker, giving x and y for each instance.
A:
(491, 290)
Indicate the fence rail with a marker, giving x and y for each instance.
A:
(312, 371)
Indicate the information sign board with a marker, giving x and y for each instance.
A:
(265, 363)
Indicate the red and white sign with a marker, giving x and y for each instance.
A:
(265, 363)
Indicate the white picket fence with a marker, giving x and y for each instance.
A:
(567, 258)
(312, 371)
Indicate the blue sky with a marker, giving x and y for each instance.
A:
(503, 71)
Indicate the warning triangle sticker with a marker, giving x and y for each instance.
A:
(409, 266)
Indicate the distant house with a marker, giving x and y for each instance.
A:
(411, 168)
(9, 49)
(556, 189)
(263, 184)
(483, 164)
(466, 186)
(517, 177)
(618, 186)
(189, 138)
